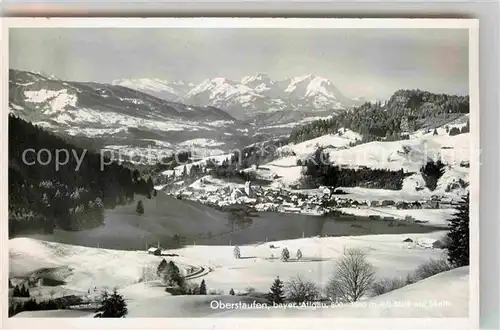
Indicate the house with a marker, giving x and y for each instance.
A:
(154, 250)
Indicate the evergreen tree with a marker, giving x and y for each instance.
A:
(276, 294)
(435, 132)
(299, 254)
(285, 255)
(236, 252)
(112, 305)
(203, 287)
(458, 249)
(10, 284)
(139, 208)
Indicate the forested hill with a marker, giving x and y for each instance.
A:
(71, 196)
(406, 110)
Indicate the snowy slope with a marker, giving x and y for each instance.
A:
(121, 118)
(108, 268)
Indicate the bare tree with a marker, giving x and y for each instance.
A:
(299, 290)
(352, 277)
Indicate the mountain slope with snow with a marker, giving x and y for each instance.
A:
(118, 117)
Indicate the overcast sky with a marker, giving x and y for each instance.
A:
(372, 63)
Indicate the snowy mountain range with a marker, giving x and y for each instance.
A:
(118, 117)
(251, 95)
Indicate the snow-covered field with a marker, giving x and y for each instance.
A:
(259, 265)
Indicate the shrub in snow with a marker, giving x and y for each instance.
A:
(352, 278)
(299, 290)
(431, 268)
(276, 293)
(236, 252)
(161, 267)
(285, 255)
(458, 250)
(231, 292)
(112, 305)
(299, 254)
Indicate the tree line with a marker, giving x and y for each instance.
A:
(70, 196)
